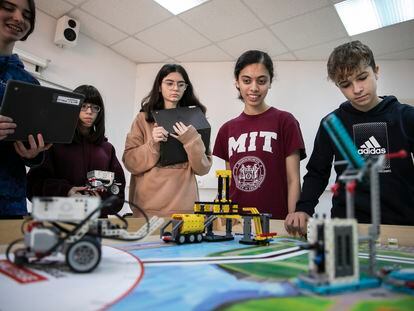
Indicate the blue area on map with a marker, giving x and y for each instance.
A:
(187, 250)
(194, 287)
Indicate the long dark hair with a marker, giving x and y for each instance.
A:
(97, 133)
(32, 8)
(155, 101)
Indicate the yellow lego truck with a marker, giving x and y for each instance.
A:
(186, 228)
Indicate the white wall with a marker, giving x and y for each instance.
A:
(301, 88)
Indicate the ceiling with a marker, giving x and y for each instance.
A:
(220, 30)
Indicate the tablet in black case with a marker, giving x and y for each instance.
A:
(54, 113)
(172, 151)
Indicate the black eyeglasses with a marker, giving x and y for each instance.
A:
(94, 108)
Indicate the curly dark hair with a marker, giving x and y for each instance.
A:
(347, 58)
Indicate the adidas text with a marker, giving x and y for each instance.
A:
(372, 151)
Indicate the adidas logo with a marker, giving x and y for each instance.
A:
(371, 146)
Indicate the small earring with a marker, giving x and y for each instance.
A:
(94, 128)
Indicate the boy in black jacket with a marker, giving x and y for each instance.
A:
(378, 125)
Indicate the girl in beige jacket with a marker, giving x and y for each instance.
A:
(165, 190)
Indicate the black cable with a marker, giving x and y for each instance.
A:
(61, 228)
(22, 225)
(74, 231)
(9, 248)
(147, 223)
(123, 220)
(105, 203)
(108, 202)
(142, 212)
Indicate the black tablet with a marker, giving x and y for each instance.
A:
(172, 151)
(54, 113)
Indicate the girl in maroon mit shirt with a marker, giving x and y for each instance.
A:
(263, 145)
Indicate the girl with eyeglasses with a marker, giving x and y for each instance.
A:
(64, 171)
(17, 22)
(165, 190)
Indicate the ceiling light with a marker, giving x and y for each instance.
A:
(360, 16)
(178, 6)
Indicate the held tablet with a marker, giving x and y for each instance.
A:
(172, 151)
(35, 109)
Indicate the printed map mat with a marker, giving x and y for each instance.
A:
(200, 276)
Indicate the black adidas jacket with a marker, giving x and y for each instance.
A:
(387, 128)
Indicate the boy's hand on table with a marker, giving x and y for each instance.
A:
(297, 223)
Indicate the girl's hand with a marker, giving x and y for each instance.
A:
(159, 133)
(93, 193)
(76, 191)
(6, 126)
(180, 128)
(34, 150)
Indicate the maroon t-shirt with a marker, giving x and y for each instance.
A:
(256, 146)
